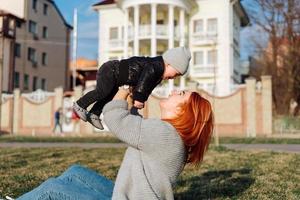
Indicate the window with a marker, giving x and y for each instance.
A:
(32, 27)
(34, 83)
(19, 23)
(160, 21)
(198, 58)
(11, 27)
(43, 84)
(16, 80)
(198, 26)
(212, 57)
(45, 9)
(44, 58)
(31, 54)
(113, 33)
(45, 32)
(34, 5)
(26, 82)
(175, 22)
(18, 50)
(212, 25)
(1, 23)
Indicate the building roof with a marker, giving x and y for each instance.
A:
(105, 2)
(85, 64)
(61, 16)
(5, 13)
(244, 16)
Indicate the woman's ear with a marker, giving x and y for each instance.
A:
(178, 110)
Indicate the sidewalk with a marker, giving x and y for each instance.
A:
(288, 148)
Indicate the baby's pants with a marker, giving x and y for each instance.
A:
(106, 88)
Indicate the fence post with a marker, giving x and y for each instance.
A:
(251, 107)
(78, 91)
(58, 102)
(267, 104)
(16, 112)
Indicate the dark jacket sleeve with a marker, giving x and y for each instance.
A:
(145, 84)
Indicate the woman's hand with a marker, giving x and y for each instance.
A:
(138, 104)
(122, 94)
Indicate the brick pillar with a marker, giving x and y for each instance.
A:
(251, 107)
(81, 126)
(16, 112)
(267, 104)
(78, 91)
(58, 100)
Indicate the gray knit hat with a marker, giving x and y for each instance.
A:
(178, 58)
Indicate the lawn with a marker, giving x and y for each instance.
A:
(111, 139)
(86, 139)
(224, 174)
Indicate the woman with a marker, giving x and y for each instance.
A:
(157, 153)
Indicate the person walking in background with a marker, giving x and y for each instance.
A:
(57, 122)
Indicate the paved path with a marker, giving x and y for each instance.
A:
(60, 144)
(289, 148)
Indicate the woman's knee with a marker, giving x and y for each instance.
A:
(44, 191)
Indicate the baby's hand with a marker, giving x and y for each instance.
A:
(138, 104)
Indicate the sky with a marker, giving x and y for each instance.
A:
(87, 25)
(88, 28)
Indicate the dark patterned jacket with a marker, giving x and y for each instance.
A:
(144, 73)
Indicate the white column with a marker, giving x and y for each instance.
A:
(171, 38)
(136, 29)
(153, 29)
(126, 33)
(182, 42)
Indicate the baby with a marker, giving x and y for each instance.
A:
(141, 73)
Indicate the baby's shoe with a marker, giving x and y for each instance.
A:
(81, 112)
(95, 121)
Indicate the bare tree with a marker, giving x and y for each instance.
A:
(280, 22)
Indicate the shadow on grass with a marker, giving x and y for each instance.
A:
(215, 184)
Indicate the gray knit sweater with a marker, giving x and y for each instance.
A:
(154, 159)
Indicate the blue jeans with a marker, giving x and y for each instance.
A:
(76, 183)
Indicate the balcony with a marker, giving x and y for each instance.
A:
(203, 71)
(208, 38)
(162, 32)
(116, 45)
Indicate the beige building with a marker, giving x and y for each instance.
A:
(7, 43)
(42, 45)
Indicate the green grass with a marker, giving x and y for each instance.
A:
(111, 139)
(224, 174)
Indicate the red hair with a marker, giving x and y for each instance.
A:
(195, 126)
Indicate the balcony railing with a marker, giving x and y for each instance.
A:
(116, 44)
(144, 31)
(205, 38)
(161, 31)
(203, 71)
